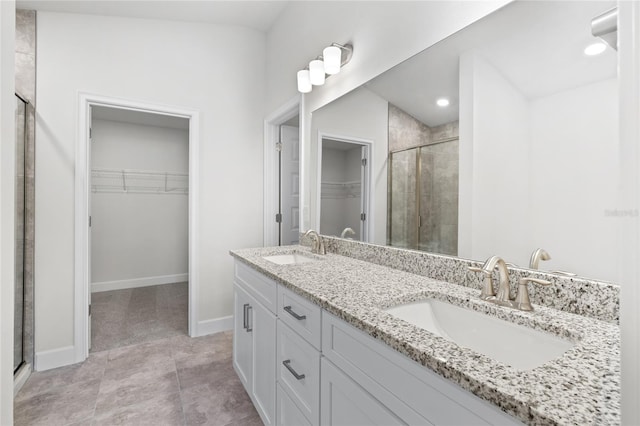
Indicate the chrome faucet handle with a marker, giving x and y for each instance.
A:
(522, 301)
(487, 288)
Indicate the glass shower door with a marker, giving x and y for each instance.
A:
(20, 194)
(403, 200)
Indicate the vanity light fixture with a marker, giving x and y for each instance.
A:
(316, 71)
(595, 49)
(304, 81)
(442, 102)
(332, 60)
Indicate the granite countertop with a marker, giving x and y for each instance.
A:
(582, 387)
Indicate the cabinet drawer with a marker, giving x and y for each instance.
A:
(263, 289)
(301, 315)
(288, 412)
(299, 371)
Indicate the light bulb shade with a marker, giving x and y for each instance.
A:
(316, 71)
(304, 81)
(332, 56)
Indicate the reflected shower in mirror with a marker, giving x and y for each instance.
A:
(496, 141)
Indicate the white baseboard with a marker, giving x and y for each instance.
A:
(46, 360)
(138, 282)
(213, 326)
(21, 378)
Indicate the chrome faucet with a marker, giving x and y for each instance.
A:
(346, 231)
(504, 289)
(537, 256)
(318, 245)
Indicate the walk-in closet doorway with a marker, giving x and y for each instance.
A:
(135, 276)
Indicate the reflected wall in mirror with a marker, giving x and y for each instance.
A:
(500, 139)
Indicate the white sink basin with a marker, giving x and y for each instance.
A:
(520, 347)
(290, 259)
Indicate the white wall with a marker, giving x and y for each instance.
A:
(360, 114)
(520, 161)
(138, 236)
(7, 160)
(563, 213)
(496, 136)
(187, 65)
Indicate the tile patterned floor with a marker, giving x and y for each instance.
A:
(136, 315)
(143, 370)
(172, 381)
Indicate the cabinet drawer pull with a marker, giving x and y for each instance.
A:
(287, 363)
(244, 317)
(249, 319)
(293, 314)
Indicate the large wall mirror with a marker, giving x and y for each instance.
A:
(499, 140)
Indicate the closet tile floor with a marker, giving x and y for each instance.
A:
(172, 381)
(130, 316)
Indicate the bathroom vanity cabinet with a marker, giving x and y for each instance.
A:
(301, 365)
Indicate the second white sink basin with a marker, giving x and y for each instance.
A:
(290, 259)
(520, 347)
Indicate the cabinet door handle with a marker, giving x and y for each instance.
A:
(293, 314)
(287, 363)
(249, 319)
(244, 318)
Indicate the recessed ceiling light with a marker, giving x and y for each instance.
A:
(595, 49)
(442, 102)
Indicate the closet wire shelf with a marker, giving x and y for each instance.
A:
(138, 182)
(340, 190)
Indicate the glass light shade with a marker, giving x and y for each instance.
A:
(316, 71)
(304, 81)
(332, 56)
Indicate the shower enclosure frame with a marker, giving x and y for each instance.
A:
(418, 189)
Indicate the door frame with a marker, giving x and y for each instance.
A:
(271, 136)
(82, 281)
(366, 188)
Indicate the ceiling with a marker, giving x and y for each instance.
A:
(139, 117)
(259, 15)
(536, 46)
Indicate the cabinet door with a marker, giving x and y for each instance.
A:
(343, 402)
(242, 339)
(262, 324)
(288, 412)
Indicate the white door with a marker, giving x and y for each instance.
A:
(89, 165)
(290, 185)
